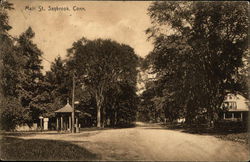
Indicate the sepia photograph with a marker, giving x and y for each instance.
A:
(124, 80)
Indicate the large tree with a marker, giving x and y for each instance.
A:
(8, 59)
(121, 103)
(100, 64)
(198, 53)
(30, 78)
(12, 112)
(60, 82)
(10, 109)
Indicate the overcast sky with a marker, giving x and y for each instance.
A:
(55, 31)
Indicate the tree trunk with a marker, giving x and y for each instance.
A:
(99, 104)
(112, 117)
(103, 117)
(98, 114)
(210, 117)
(115, 118)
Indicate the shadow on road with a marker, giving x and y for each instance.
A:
(38, 149)
(28, 133)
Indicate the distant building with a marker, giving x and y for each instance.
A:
(64, 118)
(235, 108)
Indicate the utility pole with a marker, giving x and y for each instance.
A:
(73, 105)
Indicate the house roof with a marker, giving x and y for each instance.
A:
(241, 103)
(66, 109)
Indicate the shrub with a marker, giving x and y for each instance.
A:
(11, 114)
(236, 126)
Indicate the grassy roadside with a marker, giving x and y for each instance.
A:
(235, 136)
(13, 148)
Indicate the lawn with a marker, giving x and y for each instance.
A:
(14, 148)
(236, 136)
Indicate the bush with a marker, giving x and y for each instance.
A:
(11, 114)
(236, 126)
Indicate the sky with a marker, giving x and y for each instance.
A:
(55, 31)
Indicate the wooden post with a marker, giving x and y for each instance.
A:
(73, 105)
(77, 128)
(57, 123)
(232, 115)
(61, 123)
(41, 124)
(70, 126)
(241, 116)
(224, 116)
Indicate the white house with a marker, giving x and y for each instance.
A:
(236, 108)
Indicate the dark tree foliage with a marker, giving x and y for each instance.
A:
(11, 111)
(60, 83)
(30, 76)
(121, 103)
(101, 64)
(147, 110)
(4, 19)
(198, 54)
(8, 58)
(12, 114)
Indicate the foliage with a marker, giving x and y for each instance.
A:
(198, 52)
(8, 59)
(12, 113)
(4, 19)
(30, 77)
(59, 83)
(147, 110)
(10, 108)
(101, 64)
(121, 102)
(21, 77)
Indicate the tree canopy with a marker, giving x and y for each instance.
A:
(21, 77)
(100, 65)
(199, 48)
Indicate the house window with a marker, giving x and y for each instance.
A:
(234, 106)
(228, 115)
(237, 115)
(225, 105)
(230, 105)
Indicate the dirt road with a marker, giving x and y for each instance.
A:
(147, 142)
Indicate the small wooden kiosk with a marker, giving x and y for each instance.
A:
(63, 118)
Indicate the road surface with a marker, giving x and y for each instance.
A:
(147, 142)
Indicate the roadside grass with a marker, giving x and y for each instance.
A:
(13, 148)
(240, 136)
(236, 137)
